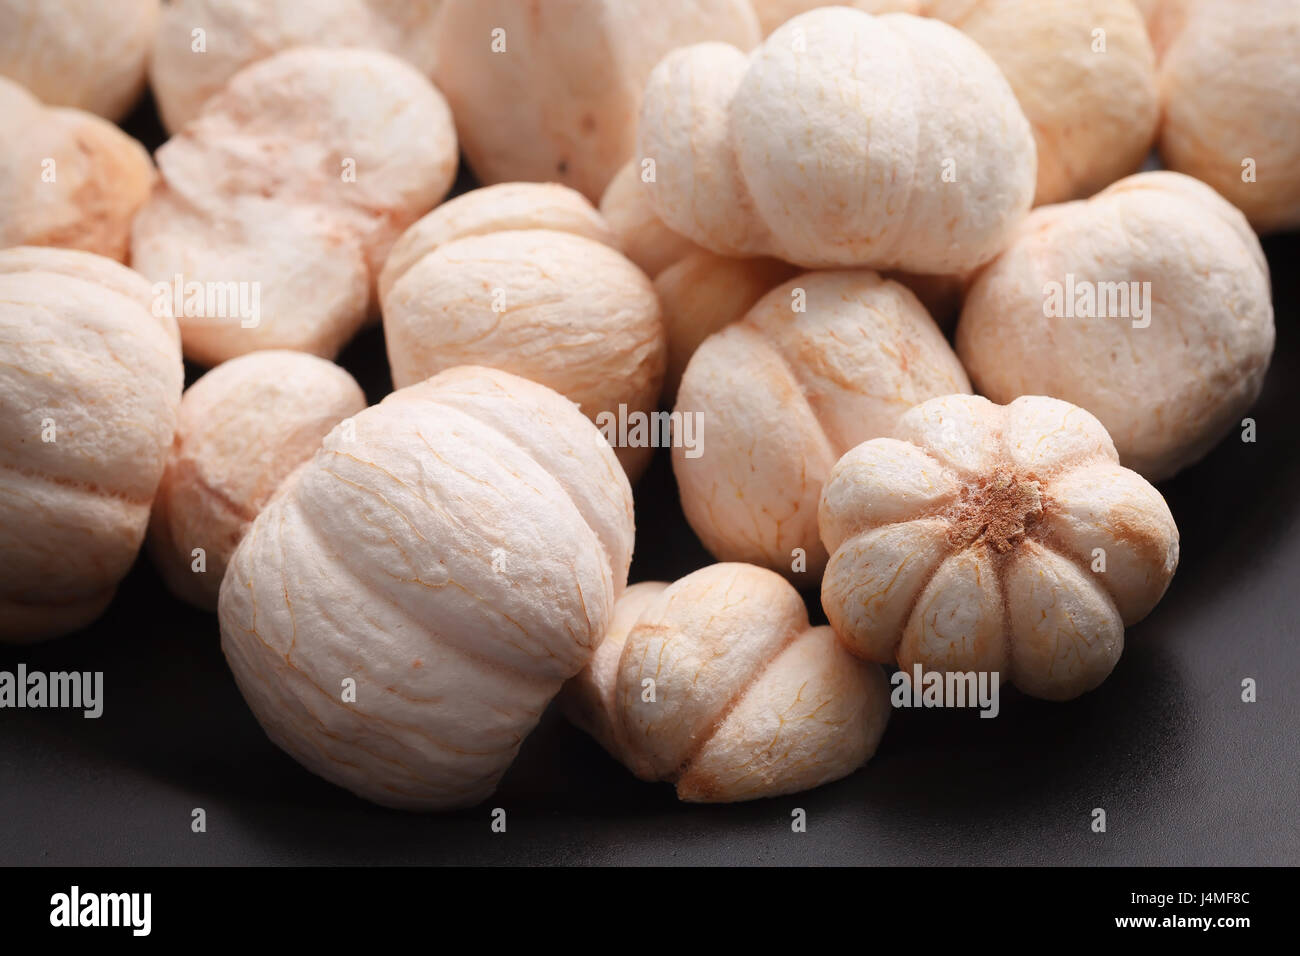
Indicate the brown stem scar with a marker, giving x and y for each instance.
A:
(997, 512)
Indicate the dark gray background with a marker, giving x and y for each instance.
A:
(1186, 772)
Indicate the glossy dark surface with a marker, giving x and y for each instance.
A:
(1185, 771)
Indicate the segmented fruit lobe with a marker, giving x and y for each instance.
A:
(994, 538)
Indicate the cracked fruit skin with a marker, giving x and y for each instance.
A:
(86, 361)
(995, 538)
(749, 700)
(458, 556)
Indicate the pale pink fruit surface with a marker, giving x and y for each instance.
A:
(1169, 373)
(773, 13)
(243, 427)
(783, 393)
(844, 139)
(718, 684)
(1085, 75)
(1230, 88)
(456, 556)
(639, 233)
(523, 277)
(90, 382)
(296, 180)
(67, 177)
(549, 92)
(87, 54)
(993, 538)
(201, 44)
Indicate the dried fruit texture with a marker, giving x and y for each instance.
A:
(294, 182)
(67, 178)
(701, 292)
(1090, 97)
(1163, 20)
(243, 427)
(773, 13)
(238, 33)
(1175, 343)
(550, 91)
(845, 139)
(782, 394)
(991, 538)
(521, 277)
(506, 207)
(1230, 87)
(941, 295)
(744, 700)
(90, 381)
(87, 54)
(459, 559)
(639, 233)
